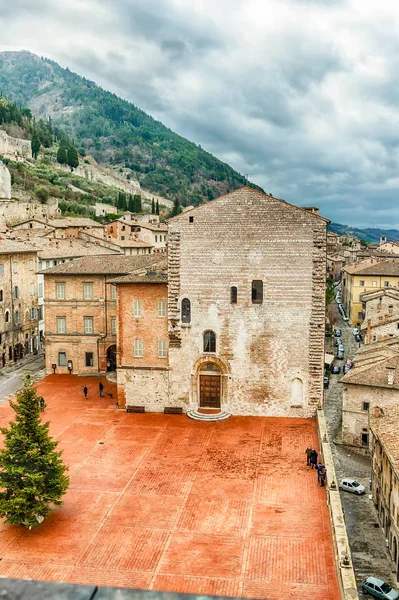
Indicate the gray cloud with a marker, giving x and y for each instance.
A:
(301, 95)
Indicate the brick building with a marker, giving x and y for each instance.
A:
(381, 315)
(80, 305)
(18, 301)
(246, 310)
(385, 474)
(152, 233)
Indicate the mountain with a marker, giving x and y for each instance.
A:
(115, 131)
(372, 235)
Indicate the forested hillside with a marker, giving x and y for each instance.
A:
(115, 131)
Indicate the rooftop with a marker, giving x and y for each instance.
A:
(372, 266)
(372, 362)
(8, 246)
(115, 264)
(385, 427)
(73, 222)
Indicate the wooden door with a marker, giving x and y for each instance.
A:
(210, 391)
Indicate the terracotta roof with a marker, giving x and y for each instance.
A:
(155, 273)
(389, 267)
(162, 227)
(335, 258)
(248, 191)
(377, 293)
(33, 220)
(73, 222)
(116, 264)
(385, 428)
(8, 246)
(130, 243)
(74, 250)
(371, 362)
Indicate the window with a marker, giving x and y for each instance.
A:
(15, 267)
(360, 316)
(113, 292)
(88, 324)
(1, 269)
(40, 294)
(156, 238)
(191, 219)
(60, 291)
(257, 291)
(62, 359)
(185, 311)
(361, 283)
(365, 438)
(88, 291)
(40, 313)
(138, 348)
(209, 341)
(7, 316)
(16, 291)
(137, 308)
(31, 265)
(32, 314)
(113, 326)
(374, 284)
(47, 264)
(386, 283)
(366, 405)
(61, 324)
(233, 294)
(161, 348)
(16, 317)
(161, 308)
(32, 289)
(89, 359)
(1, 295)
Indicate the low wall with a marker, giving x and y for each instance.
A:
(342, 554)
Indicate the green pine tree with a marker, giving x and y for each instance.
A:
(139, 205)
(153, 207)
(176, 210)
(130, 203)
(157, 208)
(32, 474)
(121, 201)
(73, 157)
(35, 144)
(62, 155)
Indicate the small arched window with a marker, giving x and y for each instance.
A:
(233, 294)
(7, 316)
(185, 311)
(209, 341)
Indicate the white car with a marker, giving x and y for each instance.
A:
(355, 331)
(353, 486)
(345, 318)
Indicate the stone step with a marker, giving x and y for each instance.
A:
(197, 416)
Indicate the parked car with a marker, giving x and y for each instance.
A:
(326, 382)
(355, 330)
(347, 368)
(379, 589)
(340, 354)
(353, 486)
(336, 369)
(358, 338)
(337, 333)
(344, 317)
(338, 342)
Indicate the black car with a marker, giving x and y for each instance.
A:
(358, 337)
(337, 333)
(336, 369)
(326, 382)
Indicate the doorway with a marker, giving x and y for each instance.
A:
(210, 386)
(111, 358)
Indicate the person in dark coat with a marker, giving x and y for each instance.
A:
(323, 477)
(42, 404)
(85, 390)
(313, 459)
(308, 452)
(101, 388)
(319, 468)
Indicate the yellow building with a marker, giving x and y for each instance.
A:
(366, 276)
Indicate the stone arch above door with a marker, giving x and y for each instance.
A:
(218, 368)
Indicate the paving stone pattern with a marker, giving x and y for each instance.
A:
(163, 502)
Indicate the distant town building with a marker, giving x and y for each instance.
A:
(335, 264)
(381, 315)
(153, 234)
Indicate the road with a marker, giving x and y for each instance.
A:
(366, 537)
(11, 382)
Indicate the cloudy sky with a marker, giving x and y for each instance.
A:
(301, 95)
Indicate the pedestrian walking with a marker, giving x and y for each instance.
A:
(85, 391)
(319, 468)
(308, 452)
(313, 459)
(42, 404)
(101, 388)
(323, 477)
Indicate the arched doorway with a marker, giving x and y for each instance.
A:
(111, 358)
(210, 386)
(395, 550)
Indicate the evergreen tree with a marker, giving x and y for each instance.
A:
(139, 207)
(35, 143)
(62, 155)
(72, 157)
(176, 210)
(130, 204)
(121, 201)
(32, 474)
(157, 208)
(153, 207)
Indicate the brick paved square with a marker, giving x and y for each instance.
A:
(163, 502)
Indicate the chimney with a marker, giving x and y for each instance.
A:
(378, 412)
(391, 374)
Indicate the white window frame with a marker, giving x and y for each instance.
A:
(32, 289)
(40, 290)
(162, 349)
(113, 292)
(60, 325)
(88, 325)
(62, 364)
(60, 291)
(138, 348)
(113, 326)
(31, 264)
(162, 308)
(88, 291)
(137, 309)
(15, 267)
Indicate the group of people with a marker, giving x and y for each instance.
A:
(313, 462)
(100, 389)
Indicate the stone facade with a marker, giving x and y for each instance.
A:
(18, 301)
(13, 148)
(268, 356)
(12, 213)
(381, 315)
(155, 235)
(5, 183)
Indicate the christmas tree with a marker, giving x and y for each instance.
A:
(32, 474)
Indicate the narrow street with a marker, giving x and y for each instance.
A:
(11, 382)
(366, 537)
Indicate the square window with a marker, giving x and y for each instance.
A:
(40, 290)
(161, 309)
(88, 291)
(191, 219)
(32, 289)
(89, 359)
(2, 270)
(386, 284)
(161, 348)
(88, 324)
(113, 326)
(257, 291)
(60, 291)
(137, 310)
(31, 265)
(138, 348)
(15, 267)
(62, 359)
(61, 324)
(361, 283)
(113, 292)
(366, 405)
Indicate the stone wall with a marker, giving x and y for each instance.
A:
(5, 182)
(381, 319)
(263, 350)
(12, 213)
(11, 147)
